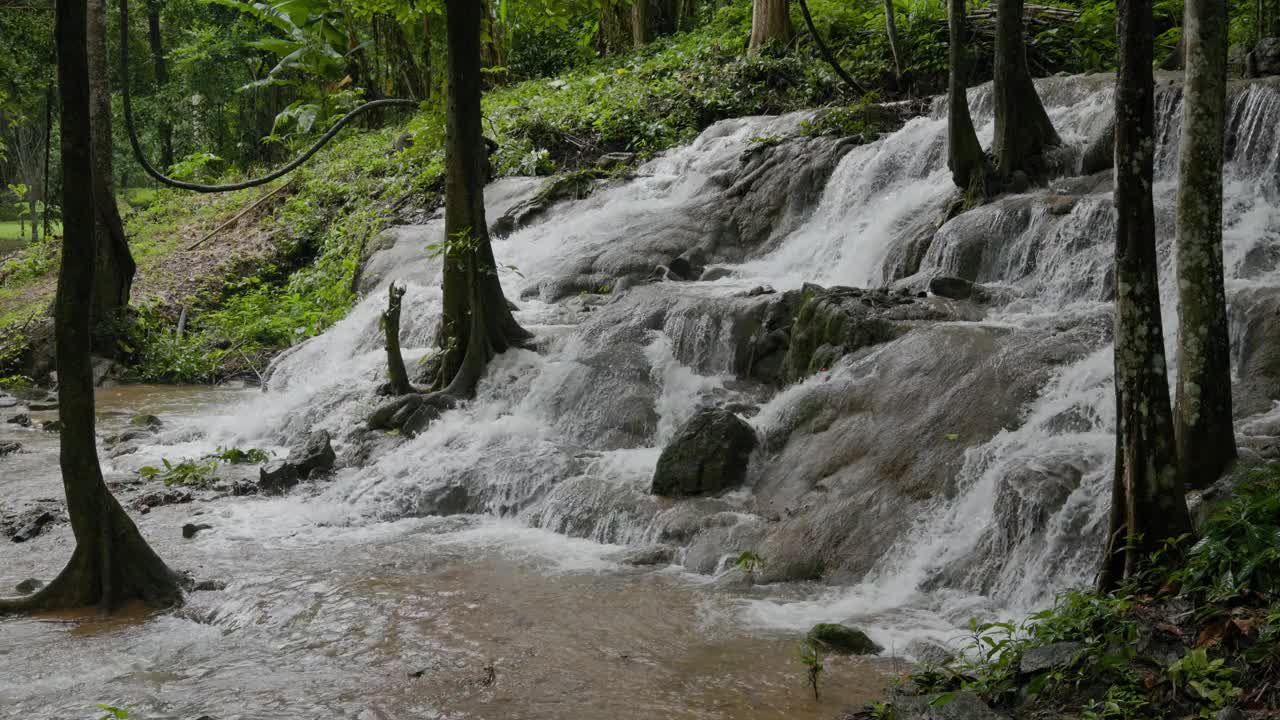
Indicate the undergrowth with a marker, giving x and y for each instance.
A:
(1187, 639)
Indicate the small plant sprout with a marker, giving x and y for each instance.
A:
(113, 713)
(749, 562)
(811, 658)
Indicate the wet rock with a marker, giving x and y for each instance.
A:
(951, 287)
(716, 273)
(51, 426)
(240, 488)
(1099, 154)
(1266, 55)
(651, 555)
(735, 580)
(210, 586)
(842, 640)
(160, 498)
(688, 266)
(568, 186)
(8, 401)
(610, 161)
(42, 405)
(126, 436)
(1229, 713)
(9, 448)
(954, 706)
(1060, 204)
(759, 290)
(146, 420)
(32, 523)
(21, 419)
(927, 652)
(834, 322)
(277, 477)
(708, 454)
(315, 454)
(28, 586)
(190, 530)
(1054, 656)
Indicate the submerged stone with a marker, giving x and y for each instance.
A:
(28, 586)
(708, 454)
(146, 420)
(190, 530)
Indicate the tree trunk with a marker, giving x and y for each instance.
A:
(891, 29)
(477, 322)
(651, 19)
(114, 276)
(1023, 129)
(1206, 438)
(396, 374)
(770, 22)
(1148, 485)
(33, 207)
(162, 79)
(965, 158)
(111, 564)
(613, 34)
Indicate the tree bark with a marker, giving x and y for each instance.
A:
(1205, 435)
(396, 373)
(965, 158)
(111, 564)
(770, 22)
(651, 19)
(891, 29)
(477, 322)
(1023, 130)
(1148, 500)
(614, 34)
(114, 276)
(162, 78)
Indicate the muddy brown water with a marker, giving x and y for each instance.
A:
(422, 618)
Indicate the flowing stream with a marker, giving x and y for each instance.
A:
(476, 570)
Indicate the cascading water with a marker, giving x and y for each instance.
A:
(566, 437)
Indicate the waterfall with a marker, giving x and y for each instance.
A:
(961, 467)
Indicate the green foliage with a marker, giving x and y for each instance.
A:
(1207, 680)
(203, 472)
(113, 713)
(187, 473)
(749, 562)
(1120, 703)
(1240, 547)
(811, 658)
(238, 456)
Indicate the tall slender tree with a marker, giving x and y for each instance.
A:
(770, 22)
(111, 564)
(967, 162)
(1023, 130)
(160, 67)
(891, 31)
(114, 275)
(477, 321)
(1148, 505)
(1205, 436)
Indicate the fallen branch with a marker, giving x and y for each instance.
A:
(238, 215)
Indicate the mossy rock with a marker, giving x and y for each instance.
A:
(145, 420)
(843, 640)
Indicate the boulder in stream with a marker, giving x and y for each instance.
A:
(28, 586)
(146, 420)
(277, 477)
(9, 448)
(190, 530)
(843, 640)
(31, 524)
(21, 420)
(313, 455)
(708, 454)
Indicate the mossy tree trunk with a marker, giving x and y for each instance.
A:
(1148, 502)
(770, 22)
(114, 274)
(613, 34)
(112, 564)
(396, 373)
(477, 322)
(1205, 436)
(1023, 130)
(965, 158)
